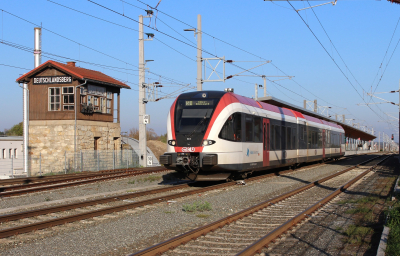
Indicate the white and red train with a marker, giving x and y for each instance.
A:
(221, 135)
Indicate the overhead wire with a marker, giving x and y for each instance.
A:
(390, 42)
(105, 54)
(239, 48)
(13, 66)
(333, 59)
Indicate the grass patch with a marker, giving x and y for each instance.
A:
(393, 246)
(362, 200)
(357, 234)
(358, 210)
(131, 182)
(152, 178)
(47, 199)
(202, 216)
(197, 207)
(168, 212)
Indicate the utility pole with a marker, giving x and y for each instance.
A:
(199, 80)
(265, 85)
(37, 53)
(142, 96)
(379, 141)
(199, 56)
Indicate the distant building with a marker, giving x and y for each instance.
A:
(63, 99)
(11, 155)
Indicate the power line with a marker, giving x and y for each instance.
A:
(385, 56)
(241, 49)
(332, 58)
(326, 33)
(170, 79)
(13, 66)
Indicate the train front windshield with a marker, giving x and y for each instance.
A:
(192, 118)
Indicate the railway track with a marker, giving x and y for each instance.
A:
(43, 184)
(243, 233)
(15, 223)
(20, 186)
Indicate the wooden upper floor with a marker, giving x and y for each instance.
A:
(56, 90)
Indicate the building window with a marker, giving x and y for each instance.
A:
(10, 153)
(96, 143)
(15, 153)
(108, 106)
(54, 99)
(98, 97)
(68, 98)
(3, 153)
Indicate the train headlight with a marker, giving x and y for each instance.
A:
(172, 143)
(208, 142)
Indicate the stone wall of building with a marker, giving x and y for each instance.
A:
(51, 141)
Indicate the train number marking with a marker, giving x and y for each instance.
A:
(188, 149)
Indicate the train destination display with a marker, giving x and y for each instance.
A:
(199, 102)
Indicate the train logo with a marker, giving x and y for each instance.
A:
(188, 149)
(248, 152)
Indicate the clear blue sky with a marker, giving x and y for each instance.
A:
(360, 31)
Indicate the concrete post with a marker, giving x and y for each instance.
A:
(315, 106)
(265, 86)
(40, 163)
(142, 105)
(199, 57)
(12, 166)
(26, 126)
(65, 162)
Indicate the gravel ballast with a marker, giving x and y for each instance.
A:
(133, 230)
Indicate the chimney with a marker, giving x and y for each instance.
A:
(71, 63)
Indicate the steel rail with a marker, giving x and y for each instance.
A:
(45, 224)
(264, 241)
(74, 178)
(73, 182)
(39, 179)
(71, 206)
(33, 213)
(172, 243)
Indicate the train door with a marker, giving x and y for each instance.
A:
(323, 142)
(266, 128)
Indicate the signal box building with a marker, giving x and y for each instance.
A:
(70, 105)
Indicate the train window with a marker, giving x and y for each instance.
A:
(277, 137)
(249, 127)
(315, 139)
(288, 138)
(257, 129)
(267, 135)
(272, 137)
(232, 128)
(319, 138)
(294, 138)
(265, 138)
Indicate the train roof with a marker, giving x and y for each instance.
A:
(350, 131)
(257, 104)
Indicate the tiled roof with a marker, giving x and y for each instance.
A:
(76, 72)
